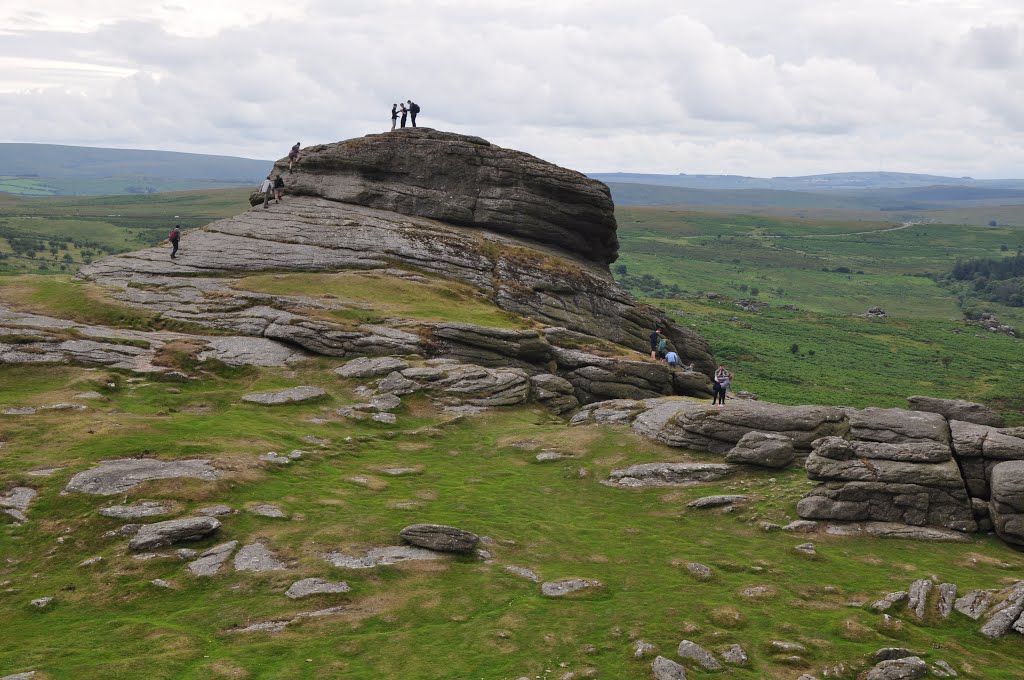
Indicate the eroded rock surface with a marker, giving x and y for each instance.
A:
(765, 449)
(316, 586)
(668, 474)
(384, 555)
(1007, 502)
(568, 586)
(111, 477)
(172, 531)
(292, 395)
(957, 409)
(440, 538)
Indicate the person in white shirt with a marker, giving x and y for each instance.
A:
(267, 189)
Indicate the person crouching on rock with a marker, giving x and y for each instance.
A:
(267, 189)
(278, 189)
(174, 237)
(673, 359)
(723, 378)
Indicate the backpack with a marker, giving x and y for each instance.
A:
(662, 345)
(173, 235)
(414, 108)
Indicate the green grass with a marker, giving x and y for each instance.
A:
(460, 619)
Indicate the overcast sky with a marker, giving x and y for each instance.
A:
(753, 87)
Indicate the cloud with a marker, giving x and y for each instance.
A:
(785, 87)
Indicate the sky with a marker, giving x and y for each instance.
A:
(749, 87)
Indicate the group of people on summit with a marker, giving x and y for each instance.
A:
(660, 352)
(404, 110)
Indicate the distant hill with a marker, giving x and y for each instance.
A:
(56, 170)
(840, 181)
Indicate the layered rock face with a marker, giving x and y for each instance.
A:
(552, 270)
(875, 465)
(465, 181)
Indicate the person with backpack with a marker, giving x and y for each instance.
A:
(267, 189)
(662, 349)
(174, 237)
(414, 108)
(394, 116)
(278, 189)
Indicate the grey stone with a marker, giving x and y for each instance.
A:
(642, 648)
(247, 351)
(889, 600)
(801, 526)
(210, 562)
(548, 456)
(918, 597)
(385, 402)
(267, 510)
(1001, 618)
(117, 476)
(316, 586)
(397, 384)
(909, 668)
(90, 561)
(568, 586)
(172, 531)
(19, 411)
(1006, 505)
(27, 675)
(440, 537)
(215, 510)
(371, 367)
(160, 583)
(895, 425)
(691, 650)
(765, 449)
(186, 553)
(941, 669)
(947, 597)
(43, 472)
(892, 653)
(42, 602)
(974, 603)
(806, 549)
(293, 395)
(699, 571)
(137, 510)
(384, 555)
(735, 655)
(15, 502)
(912, 533)
(957, 409)
(523, 572)
(385, 418)
(257, 557)
(90, 396)
(666, 669)
(669, 474)
(715, 501)
(400, 471)
(278, 625)
(782, 647)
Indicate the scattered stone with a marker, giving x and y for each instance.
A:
(21, 411)
(27, 675)
(781, 647)
(63, 407)
(278, 625)
(875, 313)
(801, 526)
(42, 602)
(1003, 616)
(523, 572)
(401, 471)
(316, 586)
(693, 651)
(914, 533)
(257, 557)
(642, 648)
(440, 537)
(210, 562)
(668, 474)
(215, 510)
(90, 396)
(91, 561)
(892, 653)
(397, 384)
(568, 586)
(384, 418)
(160, 583)
(699, 571)
(909, 668)
(941, 669)
(768, 527)
(715, 501)
(757, 592)
(974, 603)
(947, 597)
(735, 655)
(186, 553)
(157, 535)
(293, 395)
(666, 669)
(15, 502)
(267, 510)
(370, 367)
(918, 597)
(548, 456)
(276, 458)
(385, 555)
(319, 441)
(137, 510)
(117, 476)
(44, 472)
(765, 449)
(806, 549)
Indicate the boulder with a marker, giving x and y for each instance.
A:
(440, 538)
(15, 502)
(316, 586)
(896, 425)
(370, 367)
(666, 669)
(257, 557)
(554, 392)
(957, 409)
(765, 449)
(979, 448)
(568, 586)
(1001, 618)
(734, 655)
(293, 395)
(612, 412)
(668, 474)
(908, 668)
(947, 597)
(172, 531)
(887, 602)
(117, 476)
(715, 501)
(974, 603)
(691, 650)
(918, 597)
(1006, 506)
(912, 533)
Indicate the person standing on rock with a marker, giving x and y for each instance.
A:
(414, 108)
(655, 338)
(278, 189)
(394, 116)
(723, 378)
(267, 189)
(293, 156)
(174, 237)
(405, 112)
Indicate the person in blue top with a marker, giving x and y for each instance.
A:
(672, 358)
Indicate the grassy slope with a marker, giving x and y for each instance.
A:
(464, 618)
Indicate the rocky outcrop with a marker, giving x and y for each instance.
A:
(957, 409)
(979, 448)
(173, 531)
(668, 474)
(763, 449)
(466, 181)
(1007, 502)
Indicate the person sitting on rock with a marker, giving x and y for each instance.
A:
(655, 336)
(672, 358)
(278, 189)
(293, 156)
(723, 378)
(267, 189)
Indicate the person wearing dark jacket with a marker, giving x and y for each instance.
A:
(405, 112)
(278, 189)
(656, 336)
(414, 108)
(174, 237)
(394, 115)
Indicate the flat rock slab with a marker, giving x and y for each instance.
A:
(215, 510)
(137, 510)
(293, 395)
(381, 556)
(440, 537)
(257, 557)
(278, 625)
(210, 562)
(267, 510)
(668, 474)
(243, 351)
(172, 531)
(912, 533)
(958, 409)
(117, 476)
(523, 572)
(909, 668)
(568, 586)
(371, 367)
(715, 501)
(316, 586)
(16, 501)
(27, 675)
